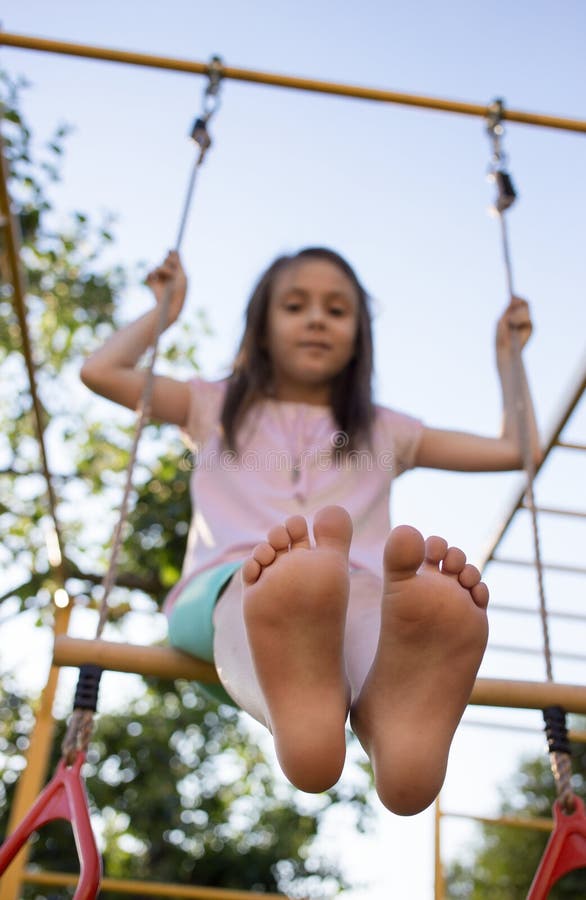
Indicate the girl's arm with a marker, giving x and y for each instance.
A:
(460, 451)
(112, 370)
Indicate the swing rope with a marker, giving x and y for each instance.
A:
(566, 848)
(80, 726)
(64, 797)
(555, 725)
(505, 199)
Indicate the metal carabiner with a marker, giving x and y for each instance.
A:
(506, 194)
(211, 97)
(495, 127)
(211, 101)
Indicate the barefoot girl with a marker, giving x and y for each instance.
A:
(292, 583)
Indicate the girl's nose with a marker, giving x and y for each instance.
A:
(315, 315)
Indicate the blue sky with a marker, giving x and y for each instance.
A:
(401, 192)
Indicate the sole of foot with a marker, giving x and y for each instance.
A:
(433, 635)
(294, 602)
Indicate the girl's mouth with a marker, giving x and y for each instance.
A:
(314, 345)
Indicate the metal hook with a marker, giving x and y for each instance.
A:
(211, 97)
(495, 127)
(506, 194)
(211, 102)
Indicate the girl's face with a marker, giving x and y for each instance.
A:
(311, 329)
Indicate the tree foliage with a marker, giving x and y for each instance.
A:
(505, 859)
(179, 792)
(71, 308)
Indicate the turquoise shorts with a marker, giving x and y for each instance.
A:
(191, 626)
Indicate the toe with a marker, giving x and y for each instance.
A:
(454, 561)
(264, 554)
(480, 594)
(251, 571)
(435, 549)
(298, 534)
(332, 527)
(404, 552)
(469, 576)
(278, 537)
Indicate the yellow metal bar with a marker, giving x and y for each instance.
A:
(439, 891)
(532, 611)
(578, 737)
(150, 889)
(529, 694)
(168, 663)
(537, 824)
(570, 445)
(68, 48)
(33, 778)
(567, 407)
(549, 567)
(558, 511)
(163, 662)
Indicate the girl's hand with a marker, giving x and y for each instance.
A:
(516, 318)
(170, 271)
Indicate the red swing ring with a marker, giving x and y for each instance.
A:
(565, 850)
(64, 797)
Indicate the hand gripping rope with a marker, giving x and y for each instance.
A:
(64, 797)
(566, 848)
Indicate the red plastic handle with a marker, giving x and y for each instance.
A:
(565, 850)
(64, 797)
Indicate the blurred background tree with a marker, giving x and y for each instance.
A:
(178, 790)
(502, 864)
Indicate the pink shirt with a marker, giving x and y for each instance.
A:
(284, 467)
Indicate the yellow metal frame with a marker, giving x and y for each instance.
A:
(536, 824)
(166, 662)
(37, 758)
(572, 399)
(41, 737)
(28, 42)
(148, 889)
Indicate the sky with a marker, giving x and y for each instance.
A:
(401, 192)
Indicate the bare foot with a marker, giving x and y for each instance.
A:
(433, 635)
(294, 603)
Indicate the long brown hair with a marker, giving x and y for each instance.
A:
(250, 380)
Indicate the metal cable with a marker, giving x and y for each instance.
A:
(81, 722)
(202, 139)
(560, 758)
(526, 453)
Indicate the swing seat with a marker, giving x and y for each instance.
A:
(565, 850)
(64, 797)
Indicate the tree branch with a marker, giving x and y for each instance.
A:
(128, 580)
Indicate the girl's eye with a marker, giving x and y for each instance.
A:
(292, 307)
(337, 310)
